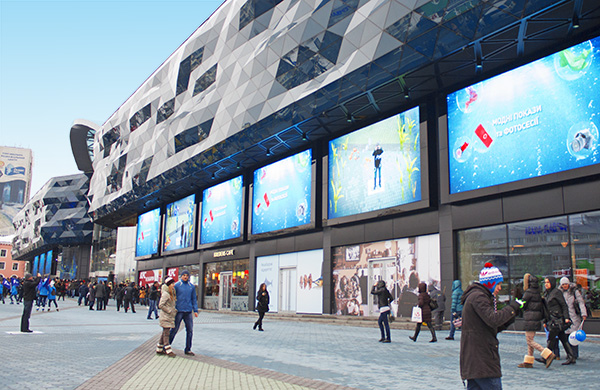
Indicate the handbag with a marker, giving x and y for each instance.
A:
(417, 314)
(433, 303)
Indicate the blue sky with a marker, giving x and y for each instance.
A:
(64, 60)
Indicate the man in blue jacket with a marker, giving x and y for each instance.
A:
(186, 304)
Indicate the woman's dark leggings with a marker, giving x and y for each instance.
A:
(261, 315)
(429, 325)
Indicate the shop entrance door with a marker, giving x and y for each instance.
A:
(380, 269)
(287, 290)
(225, 291)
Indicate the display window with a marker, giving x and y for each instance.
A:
(226, 285)
(559, 246)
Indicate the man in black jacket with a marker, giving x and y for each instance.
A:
(29, 285)
(481, 322)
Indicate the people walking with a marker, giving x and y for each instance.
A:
(29, 287)
(119, 295)
(43, 293)
(456, 307)
(558, 320)
(153, 297)
(423, 303)
(384, 298)
(52, 296)
(14, 290)
(533, 313)
(129, 296)
(186, 304)
(100, 295)
(91, 296)
(262, 305)
(481, 322)
(83, 293)
(437, 314)
(168, 312)
(577, 310)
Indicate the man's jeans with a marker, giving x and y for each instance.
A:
(188, 319)
(152, 308)
(484, 384)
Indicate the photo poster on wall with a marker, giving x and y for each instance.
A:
(405, 262)
(49, 259)
(222, 211)
(310, 281)
(180, 224)
(36, 266)
(267, 271)
(68, 269)
(148, 227)
(281, 197)
(376, 167)
(535, 120)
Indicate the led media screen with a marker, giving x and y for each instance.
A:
(376, 167)
(222, 211)
(179, 224)
(147, 233)
(539, 119)
(282, 194)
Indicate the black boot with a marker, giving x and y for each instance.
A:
(433, 338)
(570, 360)
(255, 325)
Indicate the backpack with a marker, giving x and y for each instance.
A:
(433, 303)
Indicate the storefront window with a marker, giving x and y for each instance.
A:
(561, 246)
(481, 245)
(226, 285)
(585, 250)
(538, 247)
(194, 271)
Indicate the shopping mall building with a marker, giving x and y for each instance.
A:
(320, 146)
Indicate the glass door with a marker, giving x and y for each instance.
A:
(380, 269)
(225, 289)
(287, 290)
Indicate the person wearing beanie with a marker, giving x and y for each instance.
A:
(187, 302)
(424, 300)
(558, 320)
(533, 313)
(168, 312)
(577, 309)
(481, 323)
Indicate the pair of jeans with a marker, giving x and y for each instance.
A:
(27, 306)
(100, 303)
(484, 384)
(188, 319)
(152, 308)
(384, 323)
(452, 327)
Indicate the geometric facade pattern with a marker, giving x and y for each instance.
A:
(56, 215)
(263, 70)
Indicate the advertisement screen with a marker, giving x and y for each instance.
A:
(36, 265)
(49, 259)
(15, 184)
(147, 233)
(149, 277)
(375, 167)
(282, 194)
(179, 224)
(539, 119)
(42, 264)
(222, 211)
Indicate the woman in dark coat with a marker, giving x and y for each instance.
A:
(262, 306)
(383, 302)
(424, 300)
(533, 314)
(558, 320)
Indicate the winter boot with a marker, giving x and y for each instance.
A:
(169, 352)
(527, 362)
(433, 338)
(160, 349)
(548, 356)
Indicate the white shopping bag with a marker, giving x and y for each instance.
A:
(417, 314)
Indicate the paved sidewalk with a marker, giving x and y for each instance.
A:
(82, 349)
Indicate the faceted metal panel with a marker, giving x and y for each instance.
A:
(56, 215)
(257, 68)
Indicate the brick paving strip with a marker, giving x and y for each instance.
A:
(143, 369)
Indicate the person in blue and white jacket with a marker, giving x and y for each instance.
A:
(43, 291)
(186, 304)
(14, 289)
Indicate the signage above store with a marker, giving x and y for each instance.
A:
(229, 252)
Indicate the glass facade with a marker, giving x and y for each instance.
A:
(226, 285)
(560, 246)
(104, 249)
